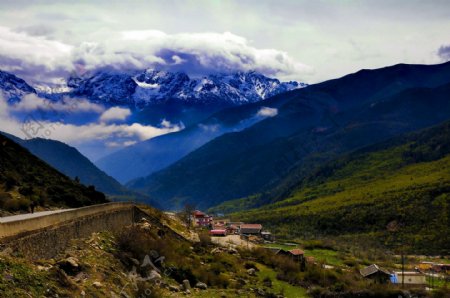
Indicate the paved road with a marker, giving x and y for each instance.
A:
(29, 215)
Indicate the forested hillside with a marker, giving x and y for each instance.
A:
(24, 179)
(405, 181)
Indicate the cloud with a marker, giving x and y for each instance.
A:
(444, 52)
(38, 59)
(24, 54)
(107, 134)
(267, 112)
(115, 113)
(32, 102)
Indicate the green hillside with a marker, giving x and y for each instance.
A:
(405, 181)
(24, 178)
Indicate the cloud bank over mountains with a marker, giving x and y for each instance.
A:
(36, 117)
(39, 59)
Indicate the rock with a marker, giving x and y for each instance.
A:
(201, 286)
(69, 265)
(83, 293)
(81, 277)
(146, 226)
(187, 291)
(223, 295)
(174, 288)
(135, 261)
(186, 284)
(232, 250)
(260, 292)
(154, 275)
(216, 250)
(251, 271)
(63, 279)
(97, 284)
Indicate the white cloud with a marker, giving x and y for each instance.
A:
(32, 102)
(21, 53)
(109, 134)
(115, 113)
(101, 131)
(267, 112)
(39, 59)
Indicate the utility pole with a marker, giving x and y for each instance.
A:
(403, 268)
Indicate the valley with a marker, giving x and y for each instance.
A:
(333, 189)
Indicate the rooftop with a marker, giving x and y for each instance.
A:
(297, 252)
(369, 270)
(251, 226)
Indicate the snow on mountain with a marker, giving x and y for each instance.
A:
(153, 86)
(13, 87)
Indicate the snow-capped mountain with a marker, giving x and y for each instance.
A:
(13, 87)
(153, 86)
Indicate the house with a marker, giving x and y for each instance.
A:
(218, 232)
(201, 219)
(232, 229)
(250, 229)
(296, 254)
(411, 278)
(377, 274)
(222, 221)
(267, 236)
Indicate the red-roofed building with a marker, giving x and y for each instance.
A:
(251, 229)
(201, 219)
(296, 252)
(218, 232)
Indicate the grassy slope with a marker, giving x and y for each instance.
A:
(407, 181)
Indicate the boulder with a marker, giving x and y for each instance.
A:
(251, 271)
(186, 285)
(154, 275)
(201, 286)
(97, 284)
(174, 288)
(69, 265)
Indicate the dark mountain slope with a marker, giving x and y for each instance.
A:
(69, 161)
(315, 123)
(25, 178)
(72, 163)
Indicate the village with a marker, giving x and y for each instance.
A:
(420, 274)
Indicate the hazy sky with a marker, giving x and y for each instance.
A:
(308, 41)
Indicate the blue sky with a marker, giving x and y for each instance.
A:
(309, 41)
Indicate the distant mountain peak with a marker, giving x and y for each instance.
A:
(14, 87)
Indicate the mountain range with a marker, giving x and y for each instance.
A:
(155, 86)
(313, 125)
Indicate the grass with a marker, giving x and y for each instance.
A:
(326, 256)
(279, 286)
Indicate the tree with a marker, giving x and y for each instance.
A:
(186, 214)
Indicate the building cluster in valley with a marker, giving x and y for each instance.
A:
(223, 227)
